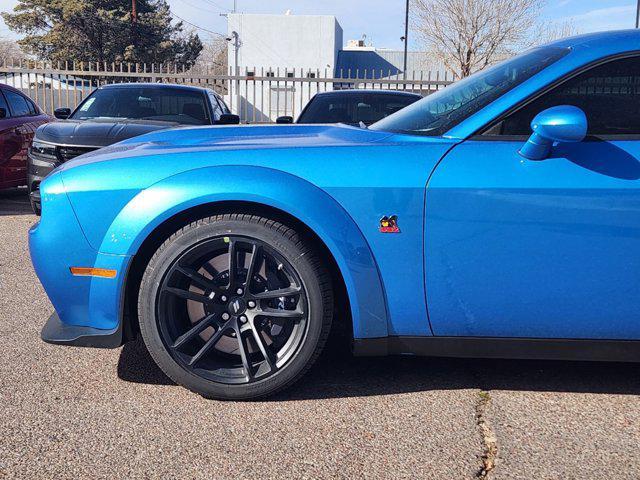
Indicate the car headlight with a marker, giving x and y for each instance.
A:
(43, 151)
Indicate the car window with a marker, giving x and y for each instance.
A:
(609, 94)
(17, 103)
(33, 110)
(3, 104)
(146, 103)
(354, 108)
(439, 112)
(215, 107)
(225, 108)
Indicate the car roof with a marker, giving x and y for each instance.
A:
(613, 41)
(9, 87)
(159, 85)
(354, 91)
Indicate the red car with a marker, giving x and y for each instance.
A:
(19, 118)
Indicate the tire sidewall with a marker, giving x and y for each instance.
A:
(194, 234)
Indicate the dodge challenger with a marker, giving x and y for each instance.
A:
(498, 217)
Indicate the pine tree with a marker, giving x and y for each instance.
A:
(102, 31)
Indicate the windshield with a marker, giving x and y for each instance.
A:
(437, 113)
(146, 103)
(353, 108)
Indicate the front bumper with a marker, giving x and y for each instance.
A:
(57, 332)
(37, 170)
(85, 306)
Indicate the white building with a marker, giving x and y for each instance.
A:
(282, 46)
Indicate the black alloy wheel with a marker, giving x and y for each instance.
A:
(235, 306)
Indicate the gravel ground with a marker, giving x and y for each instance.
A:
(77, 413)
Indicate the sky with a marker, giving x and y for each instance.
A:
(382, 21)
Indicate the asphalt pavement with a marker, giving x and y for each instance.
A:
(83, 413)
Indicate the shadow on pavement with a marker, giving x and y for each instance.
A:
(338, 374)
(15, 201)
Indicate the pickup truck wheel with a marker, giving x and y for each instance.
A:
(235, 306)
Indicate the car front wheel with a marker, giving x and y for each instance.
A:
(235, 306)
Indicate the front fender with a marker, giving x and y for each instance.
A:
(299, 198)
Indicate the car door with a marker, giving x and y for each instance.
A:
(11, 145)
(17, 135)
(542, 249)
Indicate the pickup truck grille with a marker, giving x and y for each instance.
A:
(67, 153)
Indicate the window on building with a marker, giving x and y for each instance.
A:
(609, 94)
(281, 101)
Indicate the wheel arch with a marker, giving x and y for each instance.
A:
(353, 268)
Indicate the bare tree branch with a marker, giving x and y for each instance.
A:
(469, 35)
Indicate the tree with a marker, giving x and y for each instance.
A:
(102, 31)
(213, 57)
(469, 35)
(9, 49)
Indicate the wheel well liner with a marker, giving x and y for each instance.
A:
(152, 242)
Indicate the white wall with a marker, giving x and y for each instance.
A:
(300, 42)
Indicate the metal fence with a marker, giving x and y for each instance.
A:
(257, 95)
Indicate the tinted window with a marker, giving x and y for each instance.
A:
(33, 110)
(224, 107)
(215, 107)
(609, 94)
(353, 108)
(439, 112)
(17, 103)
(148, 103)
(3, 104)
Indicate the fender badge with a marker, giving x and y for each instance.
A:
(389, 224)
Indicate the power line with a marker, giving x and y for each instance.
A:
(197, 26)
(204, 9)
(218, 6)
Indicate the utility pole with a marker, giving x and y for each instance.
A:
(638, 15)
(236, 45)
(235, 6)
(134, 20)
(406, 40)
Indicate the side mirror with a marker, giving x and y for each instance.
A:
(285, 119)
(62, 113)
(3, 112)
(564, 123)
(228, 119)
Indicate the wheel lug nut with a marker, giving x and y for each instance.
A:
(225, 316)
(223, 298)
(243, 319)
(251, 304)
(239, 291)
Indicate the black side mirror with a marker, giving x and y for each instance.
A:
(3, 112)
(62, 113)
(228, 119)
(284, 119)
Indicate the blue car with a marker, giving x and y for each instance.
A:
(499, 217)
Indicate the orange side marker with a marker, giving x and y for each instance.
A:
(93, 272)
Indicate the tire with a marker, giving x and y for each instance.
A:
(193, 313)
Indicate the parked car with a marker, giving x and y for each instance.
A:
(352, 107)
(19, 118)
(116, 112)
(498, 217)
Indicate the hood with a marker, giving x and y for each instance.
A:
(219, 138)
(166, 145)
(98, 132)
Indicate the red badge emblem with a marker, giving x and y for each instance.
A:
(389, 224)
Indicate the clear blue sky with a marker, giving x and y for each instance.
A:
(381, 20)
